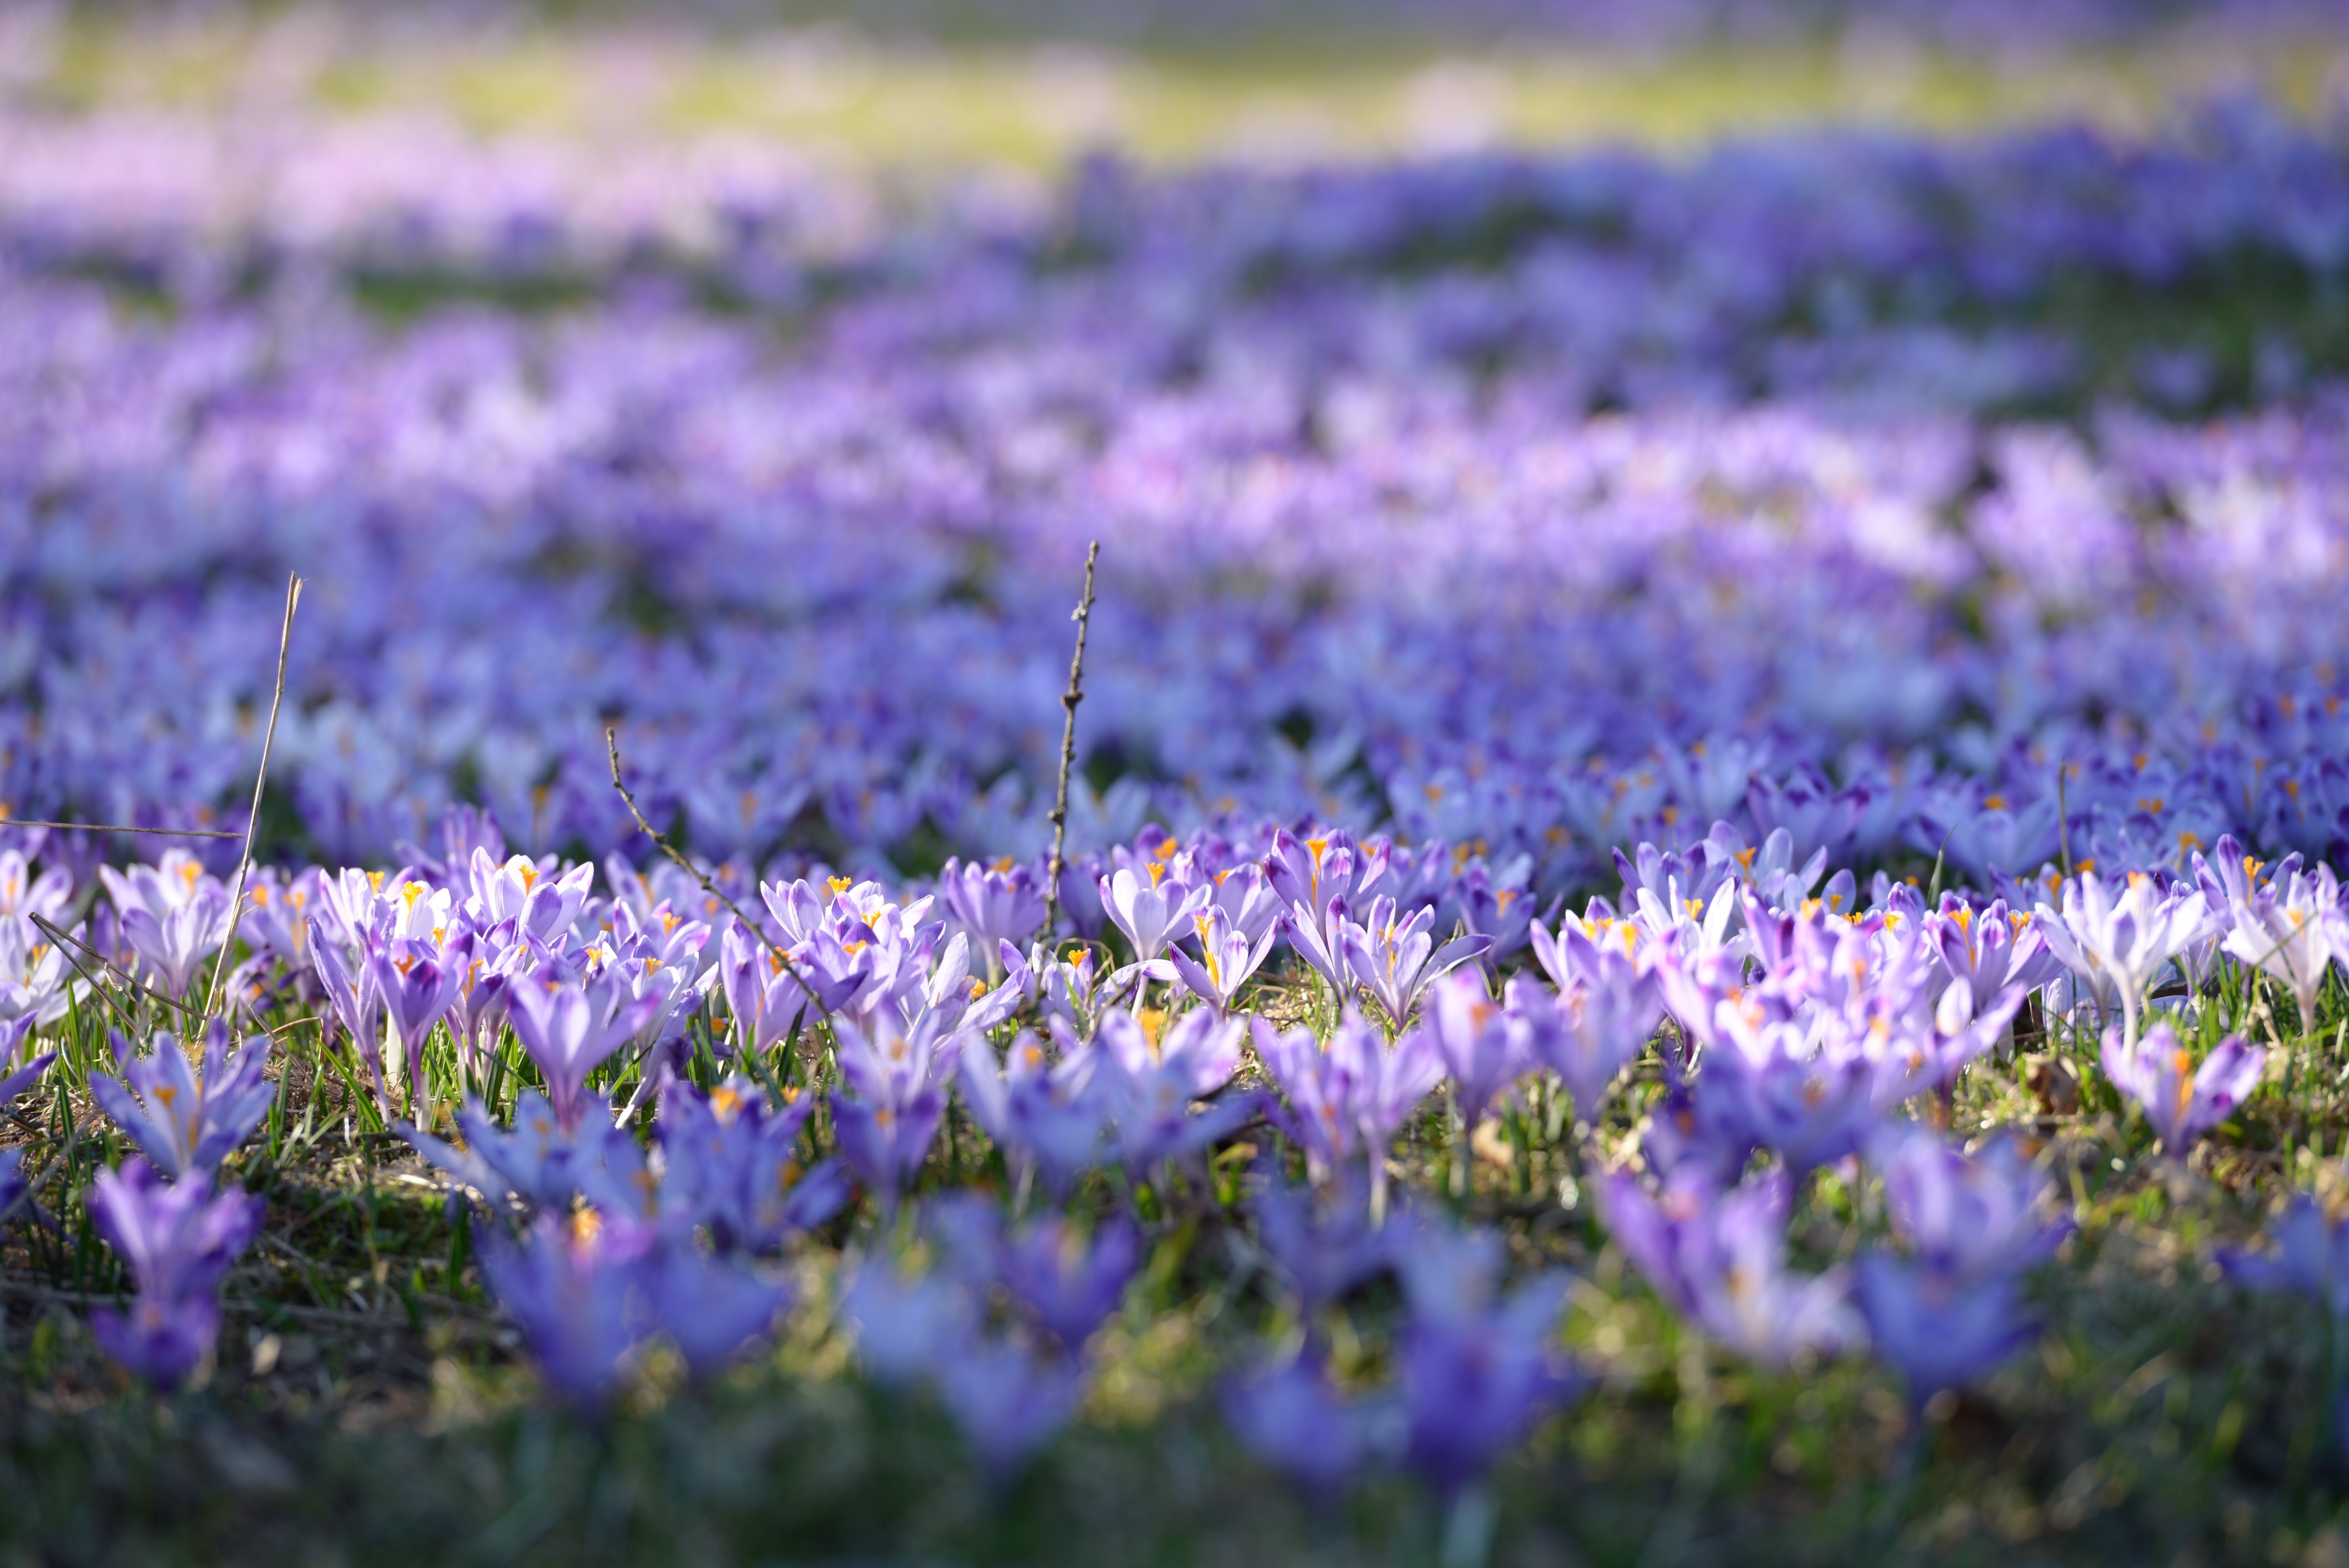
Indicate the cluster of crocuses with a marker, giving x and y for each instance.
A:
(1792, 1019)
(165, 1215)
(1369, 556)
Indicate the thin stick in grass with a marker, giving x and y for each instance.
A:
(1069, 701)
(7, 822)
(253, 817)
(660, 840)
(104, 995)
(63, 940)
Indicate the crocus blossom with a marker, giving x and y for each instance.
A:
(2182, 1098)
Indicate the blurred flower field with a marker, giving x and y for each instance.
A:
(1697, 914)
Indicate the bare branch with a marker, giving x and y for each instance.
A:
(1069, 701)
(660, 840)
(253, 819)
(61, 938)
(117, 828)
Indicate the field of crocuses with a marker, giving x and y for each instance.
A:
(1697, 918)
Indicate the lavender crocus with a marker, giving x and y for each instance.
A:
(12, 1159)
(2117, 945)
(995, 904)
(906, 1326)
(1150, 1086)
(709, 1308)
(1606, 1009)
(187, 1126)
(1395, 957)
(899, 1082)
(1473, 1383)
(1150, 909)
(1482, 1044)
(568, 1285)
(1227, 957)
(1292, 1418)
(174, 916)
(2310, 1257)
(1070, 1283)
(1969, 1216)
(1050, 1118)
(2181, 1100)
(1323, 1242)
(731, 1166)
(765, 998)
(2294, 934)
(570, 1028)
(177, 1238)
(418, 982)
(1718, 1257)
(1349, 1097)
(1008, 1402)
(1316, 879)
(1942, 1332)
(1769, 1080)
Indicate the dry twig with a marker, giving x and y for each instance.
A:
(117, 828)
(253, 817)
(1069, 701)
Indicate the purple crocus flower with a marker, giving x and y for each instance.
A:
(995, 904)
(1070, 1283)
(1606, 1009)
(1007, 1401)
(2310, 1258)
(25, 1076)
(2182, 1101)
(708, 1307)
(765, 999)
(899, 1080)
(182, 1125)
(521, 890)
(906, 1326)
(1149, 908)
(1988, 952)
(1941, 1331)
(536, 1162)
(1393, 954)
(173, 916)
(1503, 914)
(417, 982)
(1227, 957)
(1472, 1384)
(1769, 1080)
(1969, 1216)
(1324, 1244)
(1050, 1117)
(570, 1028)
(2294, 934)
(1293, 1419)
(479, 1006)
(1349, 1097)
(884, 1144)
(177, 1238)
(569, 1285)
(1718, 1258)
(2117, 945)
(351, 996)
(1316, 879)
(1482, 1045)
(1149, 1085)
(12, 1179)
(731, 1166)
